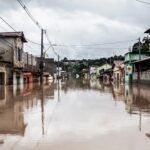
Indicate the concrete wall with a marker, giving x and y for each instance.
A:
(25, 58)
(9, 52)
(29, 59)
(144, 76)
(34, 63)
(7, 46)
(133, 56)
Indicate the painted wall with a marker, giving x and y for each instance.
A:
(144, 76)
(7, 47)
(133, 56)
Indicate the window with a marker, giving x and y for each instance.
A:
(19, 54)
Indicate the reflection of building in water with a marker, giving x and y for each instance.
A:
(148, 135)
(137, 98)
(118, 71)
(118, 92)
(95, 84)
(2, 95)
(84, 85)
(138, 102)
(98, 85)
(11, 116)
(13, 102)
(75, 84)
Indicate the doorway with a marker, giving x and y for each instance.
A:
(2, 78)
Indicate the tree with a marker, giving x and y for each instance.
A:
(65, 59)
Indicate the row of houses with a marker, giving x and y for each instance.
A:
(134, 68)
(109, 72)
(18, 66)
(130, 70)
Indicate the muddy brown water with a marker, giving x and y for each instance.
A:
(79, 115)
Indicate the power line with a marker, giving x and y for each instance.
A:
(33, 42)
(50, 43)
(87, 45)
(30, 47)
(36, 42)
(16, 31)
(8, 43)
(37, 23)
(100, 48)
(29, 14)
(7, 24)
(144, 2)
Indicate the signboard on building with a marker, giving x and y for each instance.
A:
(129, 69)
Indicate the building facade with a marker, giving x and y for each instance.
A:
(118, 71)
(11, 57)
(131, 57)
(18, 67)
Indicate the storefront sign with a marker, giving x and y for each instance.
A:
(129, 69)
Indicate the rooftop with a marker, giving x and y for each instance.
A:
(147, 31)
(13, 34)
(143, 60)
(118, 64)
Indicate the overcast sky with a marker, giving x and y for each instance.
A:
(79, 22)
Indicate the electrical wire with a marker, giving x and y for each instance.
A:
(7, 23)
(38, 25)
(98, 44)
(29, 14)
(8, 43)
(50, 43)
(144, 2)
(33, 42)
(16, 31)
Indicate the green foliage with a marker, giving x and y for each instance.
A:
(143, 46)
(77, 66)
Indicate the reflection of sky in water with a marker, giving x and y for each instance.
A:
(82, 119)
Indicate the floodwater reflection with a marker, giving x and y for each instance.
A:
(75, 114)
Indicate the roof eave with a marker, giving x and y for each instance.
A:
(147, 31)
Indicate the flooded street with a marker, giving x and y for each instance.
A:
(83, 115)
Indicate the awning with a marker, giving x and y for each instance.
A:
(141, 61)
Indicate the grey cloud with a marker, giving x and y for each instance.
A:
(82, 22)
(6, 5)
(123, 10)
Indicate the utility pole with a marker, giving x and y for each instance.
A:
(58, 80)
(42, 58)
(139, 49)
(139, 66)
(58, 66)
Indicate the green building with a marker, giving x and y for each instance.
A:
(131, 57)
